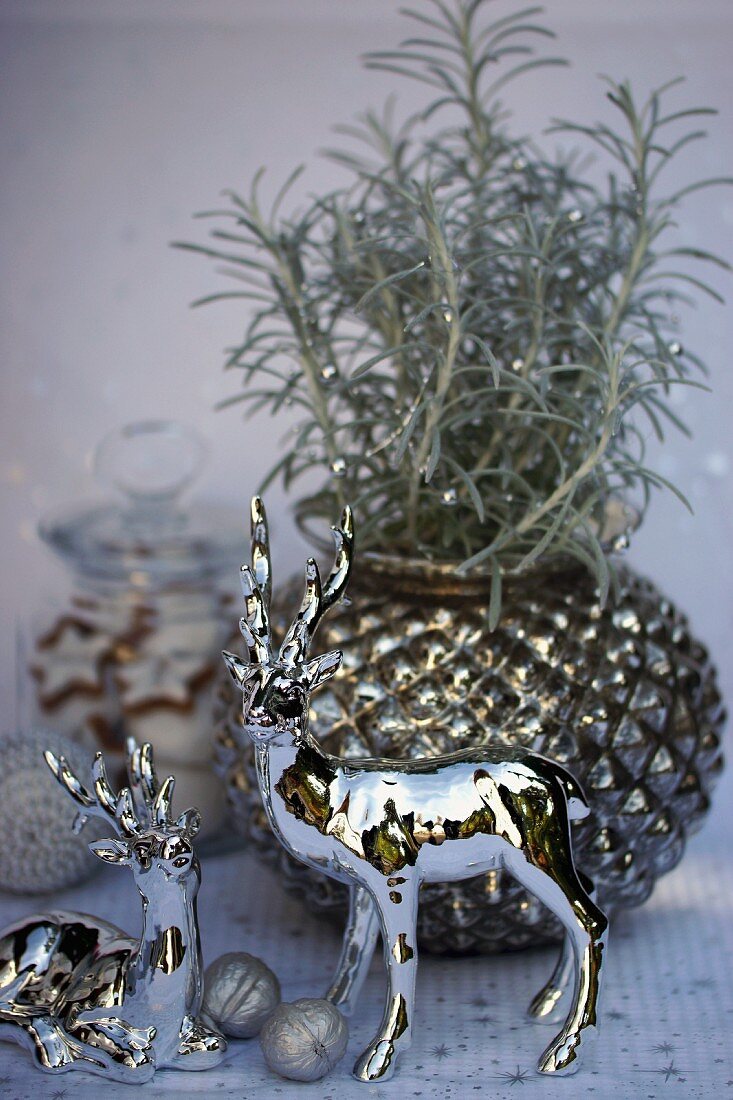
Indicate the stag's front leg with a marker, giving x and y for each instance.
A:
(396, 900)
(201, 1047)
(360, 937)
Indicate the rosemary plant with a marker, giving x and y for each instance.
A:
(477, 337)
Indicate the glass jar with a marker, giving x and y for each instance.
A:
(136, 649)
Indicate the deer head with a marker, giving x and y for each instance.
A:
(276, 690)
(146, 838)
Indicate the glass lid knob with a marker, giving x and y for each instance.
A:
(152, 462)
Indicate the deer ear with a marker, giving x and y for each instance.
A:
(239, 670)
(322, 668)
(190, 820)
(111, 851)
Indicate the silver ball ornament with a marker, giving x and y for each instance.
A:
(240, 992)
(304, 1040)
(39, 853)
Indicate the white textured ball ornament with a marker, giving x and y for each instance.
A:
(240, 992)
(39, 853)
(304, 1040)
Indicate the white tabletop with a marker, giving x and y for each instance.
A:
(667, 1010)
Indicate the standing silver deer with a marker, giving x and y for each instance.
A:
(384, 827)
(80, 993)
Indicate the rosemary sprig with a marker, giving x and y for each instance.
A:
(476, 336)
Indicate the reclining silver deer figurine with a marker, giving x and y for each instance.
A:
(384, 827)
(80, 993)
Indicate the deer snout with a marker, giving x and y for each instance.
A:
(284, 700)
(288, 703)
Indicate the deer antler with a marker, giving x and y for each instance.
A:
(144, 803)
(318, 598)
(152, 799)
(260, 543)
(256, 583)
(115, 810)
(143, 780)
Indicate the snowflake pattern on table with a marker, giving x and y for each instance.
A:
(515, 1077)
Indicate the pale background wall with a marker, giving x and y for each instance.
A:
(119, 118)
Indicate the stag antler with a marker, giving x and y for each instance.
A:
(115, 810)
(260, 544)
(256, 583)
(144, 803)
(152, 799)
(318, 598)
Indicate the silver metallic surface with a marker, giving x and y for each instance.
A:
(303, 1041)
(80, 993)
(624, 696)
(386, 827)
(240, 993)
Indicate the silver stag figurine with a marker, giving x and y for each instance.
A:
(80, 993)
(384, 827)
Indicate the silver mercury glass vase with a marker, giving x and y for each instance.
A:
(624, 696)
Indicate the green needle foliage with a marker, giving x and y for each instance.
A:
(477, 338)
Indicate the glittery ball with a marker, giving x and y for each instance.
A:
(39, 853)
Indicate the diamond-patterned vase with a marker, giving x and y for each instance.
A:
(623, 696)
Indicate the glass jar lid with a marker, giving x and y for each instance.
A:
(146, 538)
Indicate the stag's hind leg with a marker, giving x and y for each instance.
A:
(547, 1006)
(360, 937)
(58, 1050)
(46, 1041)
(396, 901)
(551, 876)
(110, 1046)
